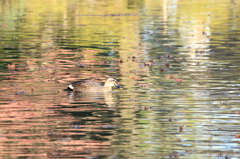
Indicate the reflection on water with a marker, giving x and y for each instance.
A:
(177, 60)
(99, 97)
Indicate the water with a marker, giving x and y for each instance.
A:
(177, 61)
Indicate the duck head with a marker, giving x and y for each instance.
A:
(112, 82)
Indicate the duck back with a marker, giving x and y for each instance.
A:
(86, 86)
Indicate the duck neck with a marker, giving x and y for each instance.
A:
(107, 88)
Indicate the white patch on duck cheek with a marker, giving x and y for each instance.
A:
(70, 86)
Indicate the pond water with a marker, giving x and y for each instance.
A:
(178, 62)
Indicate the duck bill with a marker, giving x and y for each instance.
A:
(118, 86)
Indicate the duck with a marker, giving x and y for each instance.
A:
(93, 86)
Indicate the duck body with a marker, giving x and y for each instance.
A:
(93, 86)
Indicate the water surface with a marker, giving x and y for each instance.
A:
(178, 62)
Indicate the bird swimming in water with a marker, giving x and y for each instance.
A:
(93, 86)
